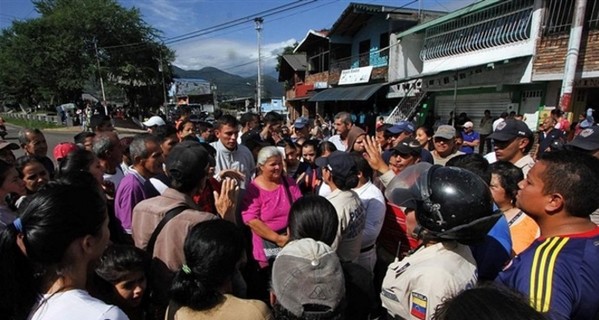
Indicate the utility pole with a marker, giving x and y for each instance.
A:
(258, 22)
(100, 73)
(572, 56)
(161, 69)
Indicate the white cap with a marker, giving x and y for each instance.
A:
(154, 121)
(468, 124)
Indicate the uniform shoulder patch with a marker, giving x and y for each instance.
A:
(419, 305)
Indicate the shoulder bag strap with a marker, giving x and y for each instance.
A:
(167, 217)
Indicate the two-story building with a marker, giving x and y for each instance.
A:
(502, 56)
(347, 67)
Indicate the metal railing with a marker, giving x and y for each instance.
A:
(375, 58)
(504, 23)
(406, 107)
(559, 14)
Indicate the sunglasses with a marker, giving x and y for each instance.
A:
(503, 144)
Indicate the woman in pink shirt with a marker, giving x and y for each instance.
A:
(265, 210)
(266, 205)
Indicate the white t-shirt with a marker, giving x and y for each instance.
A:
(74, 305)
(373, 202)
(336, 140)
(115, 177)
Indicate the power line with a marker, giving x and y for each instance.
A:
(222, 26)
(243, 19)
(212, 30)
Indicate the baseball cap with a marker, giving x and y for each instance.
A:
(63, 149)
(468, 124)
(401, 127)
(301, 122)
(445, 131)
(510, 129)
(305, 273)
(408, 146)
(9, 145)
(587, 139)
(154, 121)
(339, 163)
(187, 162)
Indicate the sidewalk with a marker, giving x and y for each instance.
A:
(77, 129)
(120, 125)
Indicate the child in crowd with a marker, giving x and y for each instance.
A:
(121, 279)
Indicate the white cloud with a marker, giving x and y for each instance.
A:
(228, 55)
(161, 9)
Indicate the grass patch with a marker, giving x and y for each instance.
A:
(29, 123)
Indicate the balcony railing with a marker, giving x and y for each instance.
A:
(375, 58)
(559, 14)
(505, 23)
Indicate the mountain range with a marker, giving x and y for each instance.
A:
(230, 86)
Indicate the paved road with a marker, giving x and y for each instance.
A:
(53, 137)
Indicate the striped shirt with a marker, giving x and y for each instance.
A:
(560, 275)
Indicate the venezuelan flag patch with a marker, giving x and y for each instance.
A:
(419, 304)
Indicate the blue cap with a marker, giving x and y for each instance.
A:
(301, 122)
(401, 127)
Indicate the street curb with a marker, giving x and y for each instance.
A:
(76, 129)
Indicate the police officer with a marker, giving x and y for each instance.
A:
(453, 208)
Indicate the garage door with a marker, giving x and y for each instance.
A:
(474, 105)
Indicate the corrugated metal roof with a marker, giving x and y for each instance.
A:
(315, 35)
(297, 62)
(465, 10)
(356, 14)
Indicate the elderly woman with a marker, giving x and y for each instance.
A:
(265, 209)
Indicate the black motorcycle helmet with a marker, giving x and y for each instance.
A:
(455, 204)
(451, 203)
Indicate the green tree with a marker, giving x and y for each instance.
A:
(52, 57)
(286, 50)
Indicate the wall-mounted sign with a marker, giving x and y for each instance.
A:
(321, 85)
(355, 75)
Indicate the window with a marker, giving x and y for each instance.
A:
(364, 51)
(384, 44)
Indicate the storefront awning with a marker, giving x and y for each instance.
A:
(356, 93)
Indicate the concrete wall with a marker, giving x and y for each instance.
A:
(372, 31)
(404, 56)
(31, 116)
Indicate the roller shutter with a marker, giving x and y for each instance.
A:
(474, 105)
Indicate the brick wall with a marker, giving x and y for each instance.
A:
(377, 73)
(317, 77)
(551, 53)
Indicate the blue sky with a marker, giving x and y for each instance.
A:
(232, 50)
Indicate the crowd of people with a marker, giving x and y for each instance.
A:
(257, 218)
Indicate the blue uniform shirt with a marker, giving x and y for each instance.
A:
(560, 275)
